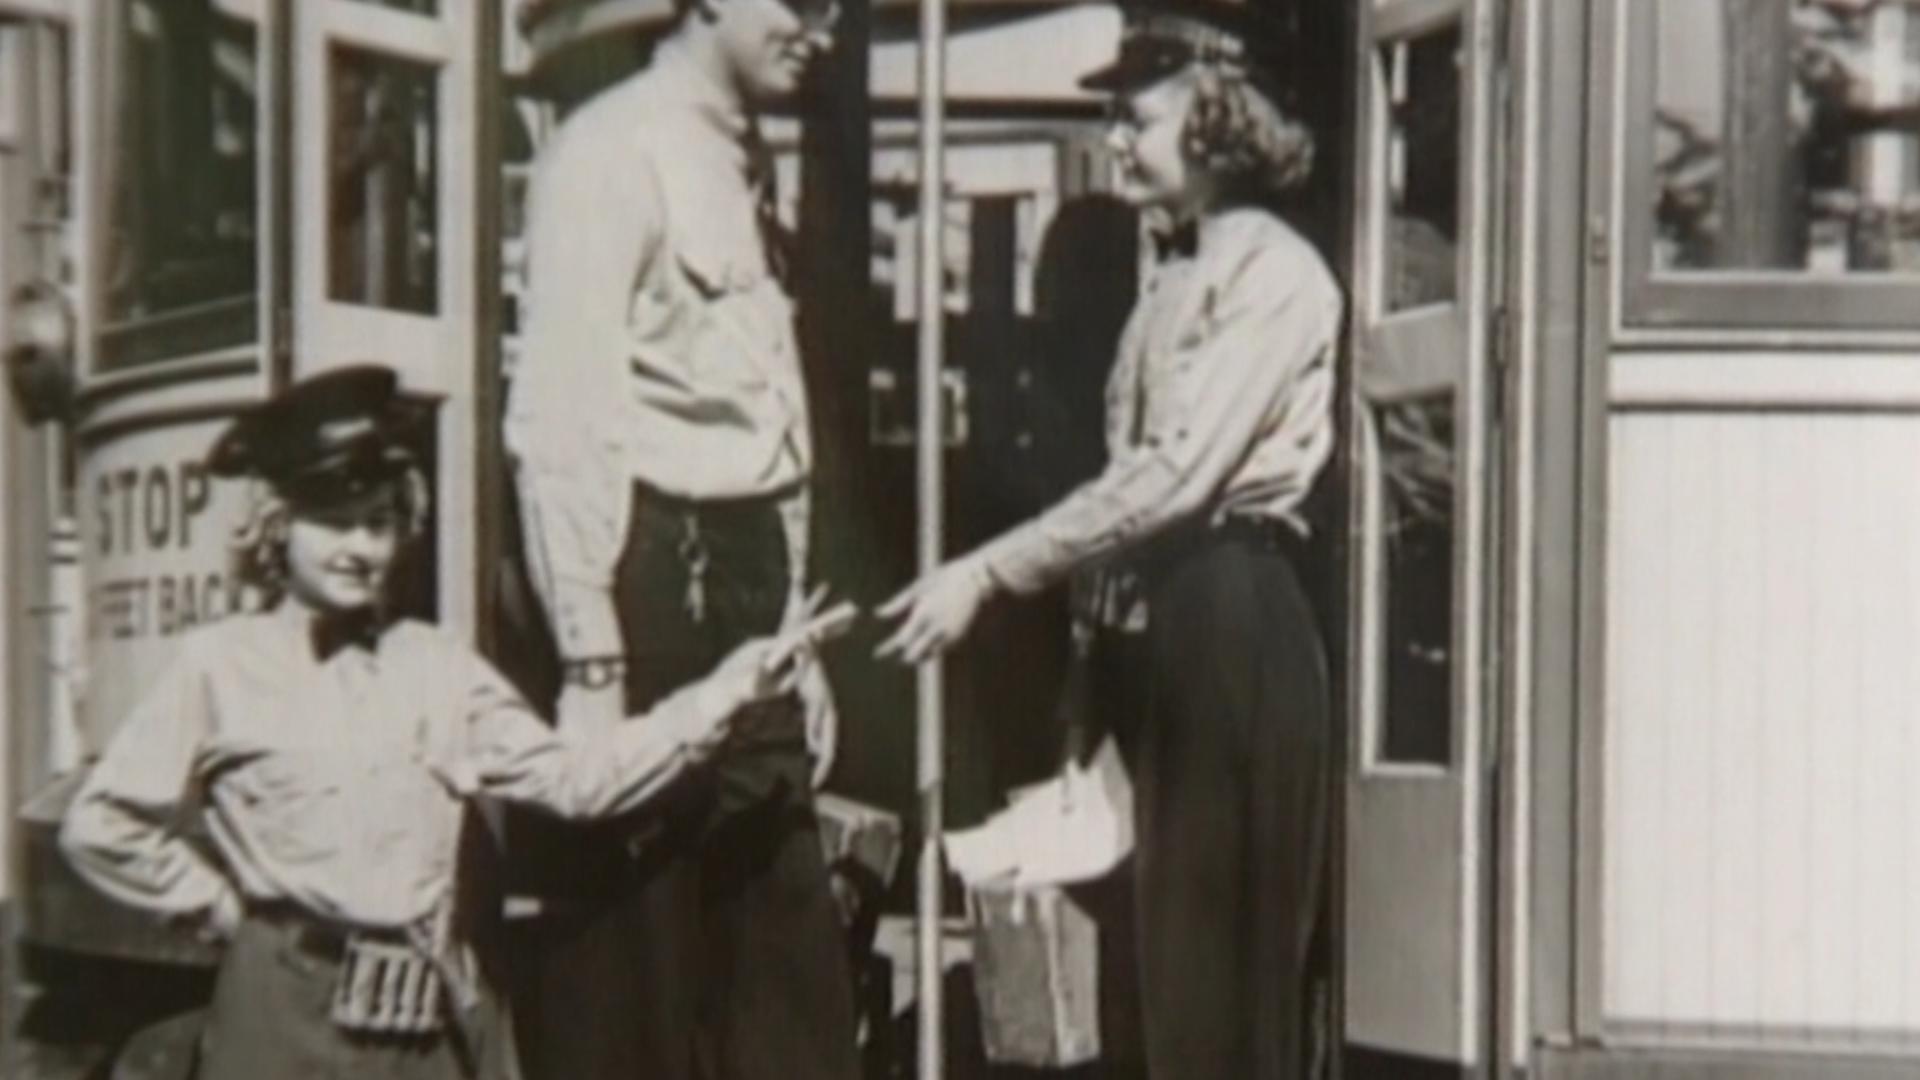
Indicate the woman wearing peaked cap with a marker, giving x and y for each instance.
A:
(333, 750)
(1190, 546)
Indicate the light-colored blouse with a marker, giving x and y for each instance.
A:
(1220, 403)
(331, 784)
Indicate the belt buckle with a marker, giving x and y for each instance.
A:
(320, 941)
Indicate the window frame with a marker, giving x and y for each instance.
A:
(1663, 302)
(184, 337)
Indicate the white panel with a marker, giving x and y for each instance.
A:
(1761, 863)
(1793, 381)
(1631, 900)
(1786, 595)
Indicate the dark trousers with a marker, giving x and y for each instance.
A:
(714, 950)
(270, 1018)
(1230, 747)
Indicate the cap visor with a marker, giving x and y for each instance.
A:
(1138, 64)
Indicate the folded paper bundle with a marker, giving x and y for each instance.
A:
(1036, 974)
(1036, 952)
(1074, 827)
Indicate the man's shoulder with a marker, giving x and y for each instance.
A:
(615, 124)
(624, 118)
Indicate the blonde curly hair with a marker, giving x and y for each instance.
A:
(257, 548)
(1237, 131)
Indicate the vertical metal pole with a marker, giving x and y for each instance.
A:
(931, 445)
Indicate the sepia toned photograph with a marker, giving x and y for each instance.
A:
(959, 539)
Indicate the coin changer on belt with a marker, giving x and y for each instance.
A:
(403, 984)
(386, 986)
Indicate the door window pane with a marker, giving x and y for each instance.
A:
(1422, 84)
(182, 225)
(1784, 136)
(382, 236)
(1416, 628)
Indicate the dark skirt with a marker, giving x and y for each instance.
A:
(1230, 747)
(704, 942)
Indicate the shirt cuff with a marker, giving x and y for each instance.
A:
(586, 623)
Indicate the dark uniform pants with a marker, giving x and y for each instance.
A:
(1231, 758)
(714, 951)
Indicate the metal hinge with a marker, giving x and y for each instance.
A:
(1599, 240)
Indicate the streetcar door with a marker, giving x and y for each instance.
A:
(1414, 943)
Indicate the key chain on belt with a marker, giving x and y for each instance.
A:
(693, 552)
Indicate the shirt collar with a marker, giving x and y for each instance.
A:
(685, 81)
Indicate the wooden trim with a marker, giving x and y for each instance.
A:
(1342, 23)
(1733, 380)
(489, 454)
(50, 10)
(93, 438)
(423, 39)
(1522, 276)
(1399, 19)
(183, 371)
(278, 116)
(1619, 1064)
(86, 46)
(1477, 495)
(892, 108)
(1834, 339)
(1552, 316)
(1598, 234)
(1775, 1041)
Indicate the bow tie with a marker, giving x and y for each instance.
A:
(1181, 241)
(332, 633)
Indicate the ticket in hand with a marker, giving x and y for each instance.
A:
(815, 632)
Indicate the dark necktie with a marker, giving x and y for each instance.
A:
(1179, 242)
(354, 629)
(774, 240)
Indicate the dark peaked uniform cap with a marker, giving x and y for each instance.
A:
(325, 440)
(1163, 36)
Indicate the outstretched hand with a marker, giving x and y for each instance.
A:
(760, 670)
(936, 611)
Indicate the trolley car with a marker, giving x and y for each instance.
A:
(1626, 580)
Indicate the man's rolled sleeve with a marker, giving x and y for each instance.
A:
(514, 757)
(594, 224)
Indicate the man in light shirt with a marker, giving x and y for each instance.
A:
(658, 421)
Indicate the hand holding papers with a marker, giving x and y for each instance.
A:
(1075, 827)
